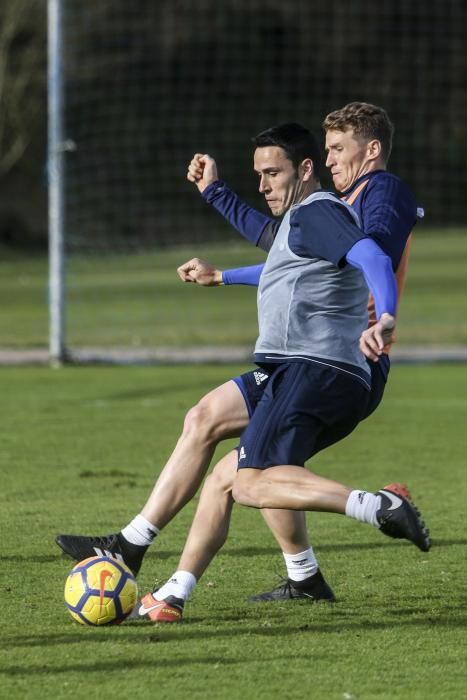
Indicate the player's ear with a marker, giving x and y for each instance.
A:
(306, 169)
(374, 149)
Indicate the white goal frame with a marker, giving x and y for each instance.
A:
(57, 147)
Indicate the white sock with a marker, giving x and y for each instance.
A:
(362, 505)
(140, 531)
(180, 585)
(302, 565)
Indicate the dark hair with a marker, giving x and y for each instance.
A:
(297, 142)
(366, 120)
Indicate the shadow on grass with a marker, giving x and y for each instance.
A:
(34, 558)
(159, 391)
(196, 628)
(63, 558)
(259, 551)
(177, 660)
(116, 665)
(385, 543)
(339, 547)
(241, 551)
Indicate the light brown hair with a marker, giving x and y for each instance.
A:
(367, 121)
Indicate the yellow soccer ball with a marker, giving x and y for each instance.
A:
(100, 591)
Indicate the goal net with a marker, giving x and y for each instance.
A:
(147, 84)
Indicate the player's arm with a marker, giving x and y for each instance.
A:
(389, 215)
(206, 275)
(376, 267)
(243, 275)
(401, 277)
(256, 227)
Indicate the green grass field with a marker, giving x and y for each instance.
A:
(138, 301)
(80, 449)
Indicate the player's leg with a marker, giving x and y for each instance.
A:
(302, 407)
(297, 488)
(207, 534)
(211, 522)
(304, 578)
(210, 528)
(221, 414)
(206, 537)
(289, 527)
(289, 486)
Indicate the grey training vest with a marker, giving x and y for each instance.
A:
(308, 306)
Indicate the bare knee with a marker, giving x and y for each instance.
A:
(246, 489)
(222, 477)
(217, 485)
(220, 414)
(202, 424)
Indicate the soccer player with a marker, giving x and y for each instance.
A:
(365, 137)
(221, 414)
(385, 509)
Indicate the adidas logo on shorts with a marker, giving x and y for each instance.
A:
(260, 377)
(241, 454)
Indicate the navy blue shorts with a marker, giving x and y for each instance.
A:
(304, 408)
(252, 385)
(379, 376)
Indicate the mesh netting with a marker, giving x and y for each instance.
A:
(149, 83)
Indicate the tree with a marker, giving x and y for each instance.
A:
(22, 76)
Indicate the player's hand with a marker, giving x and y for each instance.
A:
(200, 272)
(377, 337)
(202, 171)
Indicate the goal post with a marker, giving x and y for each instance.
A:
(55, 167)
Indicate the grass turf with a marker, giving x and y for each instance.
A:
(80, 449)
(138, 300)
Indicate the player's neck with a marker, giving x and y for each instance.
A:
(371, 166)
(311, 187)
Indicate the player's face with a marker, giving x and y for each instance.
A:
(348, 157)
(280, 182)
